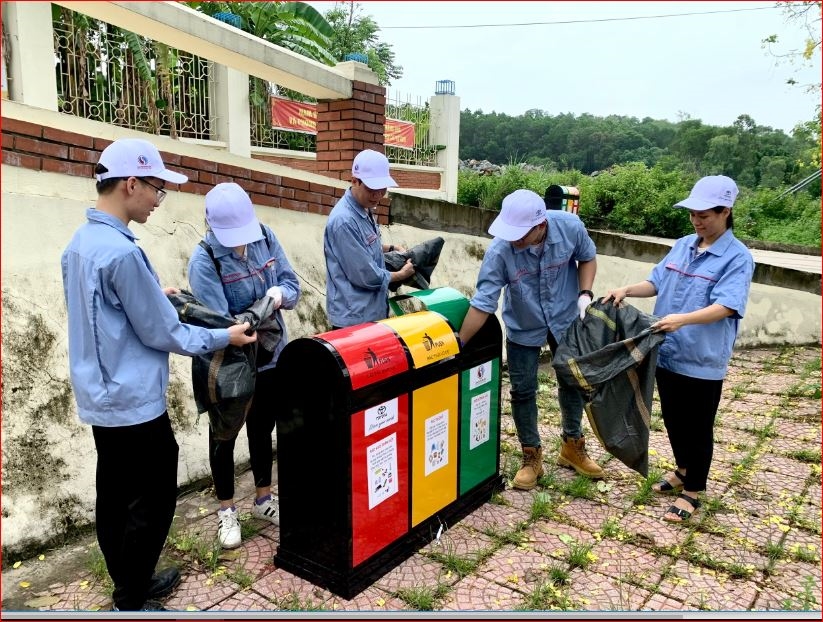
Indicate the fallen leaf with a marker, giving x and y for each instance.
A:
(41, 557)
(25, 584)
(380, 602)
(17, 564)
(191, 608)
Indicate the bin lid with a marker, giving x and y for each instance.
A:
(446, 301)
(371, 352)
(427, 335)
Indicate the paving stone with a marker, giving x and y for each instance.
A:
(797, 577)
(477, 593)
(370, 599)
(583, 513)
(548, 538)
(461, 541)
(84, 594)
(800, 433)
(246, 600)
(760, 531)
(492, 518)
(707, 589)
(416, 571)
(772, 482)
(254, 558)
(785, 466)
(629, 563)
(653, 530)
(726, 550)
(200, 591)
(661, 602)
(743, 420)
(517, 568)
(799, 542)
(732, 436)
(290, 592)
(771, 598)
(590, 591)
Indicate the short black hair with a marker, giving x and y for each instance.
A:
(107, 185)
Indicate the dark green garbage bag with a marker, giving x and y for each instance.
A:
(611, 357)
(424, 257)
(223, 381)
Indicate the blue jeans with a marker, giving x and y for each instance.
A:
(523, 361)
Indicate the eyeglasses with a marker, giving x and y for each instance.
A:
(161, 194)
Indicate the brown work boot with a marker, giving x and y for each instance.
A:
(532, 469)
(573, 454)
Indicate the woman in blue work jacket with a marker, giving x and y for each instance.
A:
(702, 287)
(243, 262)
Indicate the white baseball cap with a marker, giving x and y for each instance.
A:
(231, 216)
(135, 157)
(709, 192)
(520, 211)
(372, 168)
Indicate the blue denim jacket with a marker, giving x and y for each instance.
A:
(244, 280)
(121, 326)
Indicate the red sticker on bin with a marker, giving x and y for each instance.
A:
(371, 352)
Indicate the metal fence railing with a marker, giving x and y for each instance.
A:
(108, 74)
(414, 110)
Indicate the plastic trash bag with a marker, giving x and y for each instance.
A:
(223, 381)
(424, 257)
(611, 357)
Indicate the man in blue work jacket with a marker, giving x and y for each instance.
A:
(357, 281)
(545, 263)
(121, 329)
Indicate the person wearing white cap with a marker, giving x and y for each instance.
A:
(121, 328)
(545, 262)
(357, 281)
(702, 287)
(243, 263)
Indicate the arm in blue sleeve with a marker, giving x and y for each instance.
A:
(152, 315)
(286, 278)
(205, 283)
(357, 260)
(491, 279)
(732, 289)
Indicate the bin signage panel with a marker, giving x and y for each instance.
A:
(427, 335)
(371, 352)
(479, 417)
(434, 448)
(380, 477)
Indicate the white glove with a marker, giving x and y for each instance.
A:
(582, 304)
(276, 294)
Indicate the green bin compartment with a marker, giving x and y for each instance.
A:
(446, 301)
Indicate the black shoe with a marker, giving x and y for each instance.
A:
(162, 583)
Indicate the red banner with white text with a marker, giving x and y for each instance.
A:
(294, 116)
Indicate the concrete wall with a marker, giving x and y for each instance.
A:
(48, 456)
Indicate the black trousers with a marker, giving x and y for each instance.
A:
(136, 498)
(689, 408)
(259, 425)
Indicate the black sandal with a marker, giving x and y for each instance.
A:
(683, 515)
(664, 487)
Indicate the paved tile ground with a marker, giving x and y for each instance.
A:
(569, 545)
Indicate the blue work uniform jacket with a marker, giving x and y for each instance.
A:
(687, 281)
(121, 326)
(539, 283)
(243, 280)
(357, 282)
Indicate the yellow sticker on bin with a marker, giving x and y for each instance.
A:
(427, 335)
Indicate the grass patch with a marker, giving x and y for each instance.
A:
(96, 565)
(580, 555)
(422, 598)
(610, 527)
(546, 596)
(580, 487)
(774, 550)
(542, 506)
(293, 602)
(241, 577)
(645, 492)
(809, 456)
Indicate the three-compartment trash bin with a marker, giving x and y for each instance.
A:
(391, 433)
(565, 198)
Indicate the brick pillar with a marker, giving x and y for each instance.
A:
(345, 127)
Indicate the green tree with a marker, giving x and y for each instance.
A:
(356, 33)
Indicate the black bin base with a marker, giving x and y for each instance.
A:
(347, 584)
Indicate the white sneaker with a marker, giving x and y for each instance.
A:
(229, 530)
(268, 510)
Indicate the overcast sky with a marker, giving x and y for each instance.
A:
(711, 67)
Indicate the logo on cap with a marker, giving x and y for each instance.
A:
(143, 162)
